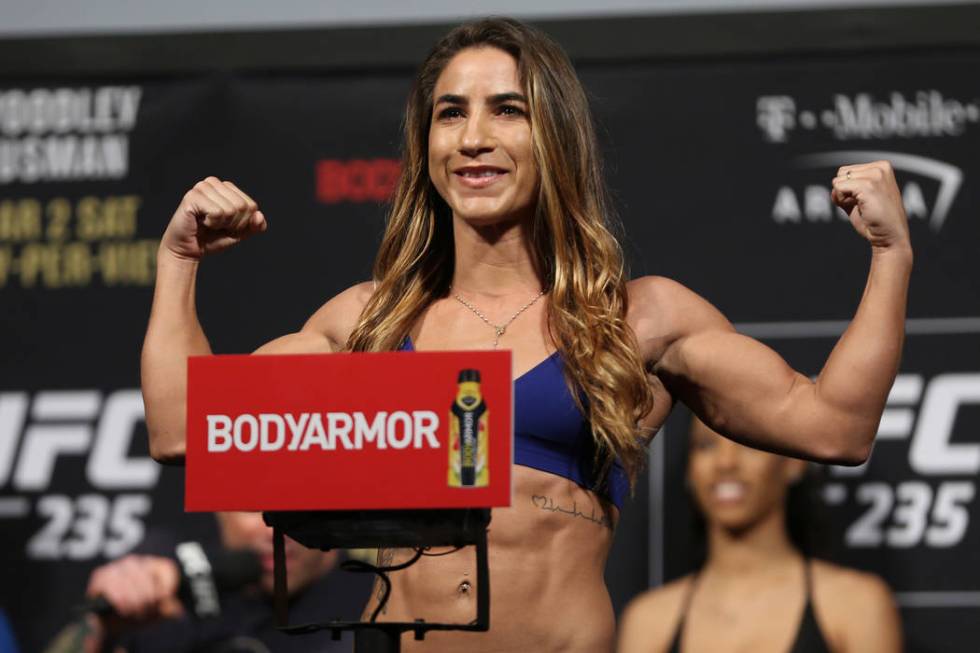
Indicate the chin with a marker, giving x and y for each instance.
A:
(483, 219)
(267, 583)
(734, 520)
(295, 584)
(735, 526)
(486, 215)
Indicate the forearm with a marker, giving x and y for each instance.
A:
(861, 369)
(173, 334)
(84, 635)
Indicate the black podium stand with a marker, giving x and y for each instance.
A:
(416, 529)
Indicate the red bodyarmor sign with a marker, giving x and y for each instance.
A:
(399, 430)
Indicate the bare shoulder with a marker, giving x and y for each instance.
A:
(648, 622)
(653, 294)
(846, 587)
(328, 328)
(847, 600)
(338, 317)
(662, 311)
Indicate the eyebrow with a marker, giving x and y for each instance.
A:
(499, 98)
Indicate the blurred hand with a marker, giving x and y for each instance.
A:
(141, 589)
(212, 216)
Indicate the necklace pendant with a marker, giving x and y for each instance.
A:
(498, 330)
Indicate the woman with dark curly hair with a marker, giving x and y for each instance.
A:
(499, 235)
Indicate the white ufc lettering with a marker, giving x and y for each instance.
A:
(109, 466)
(64, 423)
(931, 451)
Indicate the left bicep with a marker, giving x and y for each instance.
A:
(744, 390)
(741, 387)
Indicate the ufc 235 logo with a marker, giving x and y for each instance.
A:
(914, 512)
(60, 428)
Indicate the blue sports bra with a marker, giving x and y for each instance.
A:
(550, 432)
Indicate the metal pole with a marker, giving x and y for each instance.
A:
(280, 593)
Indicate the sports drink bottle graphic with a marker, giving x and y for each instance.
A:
(468, 434)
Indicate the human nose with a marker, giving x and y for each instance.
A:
(726, 456)
(476, 136)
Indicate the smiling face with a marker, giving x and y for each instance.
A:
(736, 486)
(480, 151)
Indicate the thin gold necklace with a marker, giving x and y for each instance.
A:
(499, 329)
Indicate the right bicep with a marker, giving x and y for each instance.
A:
(328, 328)
(301, 342)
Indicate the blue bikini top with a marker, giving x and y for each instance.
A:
(550, 432)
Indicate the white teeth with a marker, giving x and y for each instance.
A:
(729, 490)
(480, 173)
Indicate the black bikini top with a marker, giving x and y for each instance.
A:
(809, 638)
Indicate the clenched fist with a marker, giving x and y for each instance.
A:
(869, 195)
(213, 215)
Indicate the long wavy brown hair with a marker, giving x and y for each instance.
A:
(571, 238)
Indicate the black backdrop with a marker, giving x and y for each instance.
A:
(720, 134)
